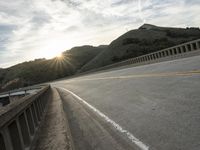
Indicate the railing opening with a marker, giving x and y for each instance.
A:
(175, 52)
(167, 53)
(184, 49)
(194, 46)
(24, 129)
(34, 115)
(198, 43)
(179, 50)
(30, 121)
(171, 53)
(14, 135)
(189, 47)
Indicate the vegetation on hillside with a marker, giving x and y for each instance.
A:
(146, 39)
(42, 70)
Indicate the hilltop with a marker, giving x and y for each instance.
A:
(146, 39)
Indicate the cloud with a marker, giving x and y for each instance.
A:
(35, 28)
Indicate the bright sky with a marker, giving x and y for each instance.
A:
(32, 29)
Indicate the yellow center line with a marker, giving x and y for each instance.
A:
(167, 74)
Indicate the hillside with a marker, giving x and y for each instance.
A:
(42, 70)
(148, 38)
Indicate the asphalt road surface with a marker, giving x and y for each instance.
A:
(154, 107)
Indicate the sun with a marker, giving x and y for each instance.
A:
(59, 56)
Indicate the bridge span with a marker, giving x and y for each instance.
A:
(148, 103)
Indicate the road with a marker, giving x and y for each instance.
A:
(155, 106)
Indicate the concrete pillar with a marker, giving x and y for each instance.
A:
(20, 134)
(160, 54)
(7, 140)
(151, 57)
(26, 119)
(156, 55)
(172, 51)
(189, 47)
(39, 107)
(36, 116)
(146, 58)
(24, 130)
(186, 48)
(30, 121)
(143, 59)
(165, 53)
(182, 51)
(177, 50)
(192, 47)
(15, 136)
(198, 44)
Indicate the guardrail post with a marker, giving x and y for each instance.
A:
(192, 47)
(181, 49)
(156, 54)
(24, 130)
(36, 118)
(7, 140)
(160, 54)
(163, 54)
(189, 47)
(186, 48)
(30, 121)
(20, 134)
(146, 58)
(167, 52)
(178, 51)
(15, 135)
(198, 44)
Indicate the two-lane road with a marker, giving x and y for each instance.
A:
(155, 106)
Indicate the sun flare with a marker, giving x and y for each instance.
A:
(59, 56)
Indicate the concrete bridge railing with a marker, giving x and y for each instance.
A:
(20, 121)
(179, 51)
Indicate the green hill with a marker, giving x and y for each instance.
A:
(148, 38)
(42, 70)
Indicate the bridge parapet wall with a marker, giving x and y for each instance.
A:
(20, 121)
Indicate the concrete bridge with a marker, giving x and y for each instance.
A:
(149, 102)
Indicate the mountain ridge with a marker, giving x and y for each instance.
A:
(146, 39)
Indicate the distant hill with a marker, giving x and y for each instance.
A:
(148, 38)
(42, 70)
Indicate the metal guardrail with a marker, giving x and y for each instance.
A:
(175, 52)
(19, 122)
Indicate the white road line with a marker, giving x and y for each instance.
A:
(129, 135)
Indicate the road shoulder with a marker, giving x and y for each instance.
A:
(54, 133)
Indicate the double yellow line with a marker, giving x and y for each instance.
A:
(165, 74)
